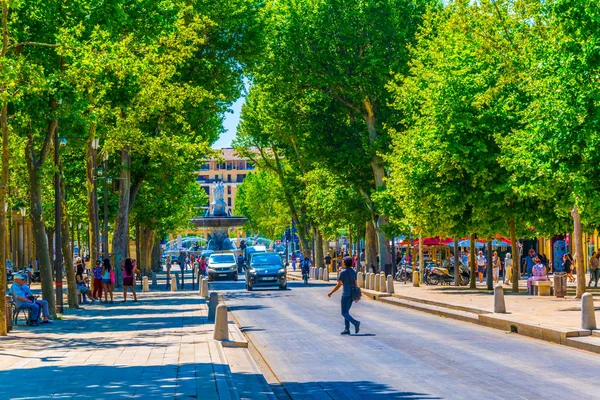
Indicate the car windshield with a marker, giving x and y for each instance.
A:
(221, 259)
(266, 259)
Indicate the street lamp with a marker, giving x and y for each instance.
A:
(23, 213)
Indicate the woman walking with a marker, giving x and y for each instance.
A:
(496, 265)
(508, 265)
(128, 268)
(480, 266)
(567, 267)
(107, 280)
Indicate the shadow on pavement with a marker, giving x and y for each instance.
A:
(171, 381)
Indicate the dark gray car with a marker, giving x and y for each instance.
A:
(266, 269)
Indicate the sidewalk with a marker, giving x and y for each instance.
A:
(159, 347)
(543, 317)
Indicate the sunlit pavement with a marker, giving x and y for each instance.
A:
(399, 353)
(159, 347)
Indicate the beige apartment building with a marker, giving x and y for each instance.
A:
(231, 170)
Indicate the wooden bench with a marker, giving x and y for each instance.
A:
(541, 288)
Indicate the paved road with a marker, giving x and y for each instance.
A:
(399, 353)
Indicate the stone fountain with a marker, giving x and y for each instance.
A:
(218, 220)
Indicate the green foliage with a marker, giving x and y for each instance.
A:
(260, 199)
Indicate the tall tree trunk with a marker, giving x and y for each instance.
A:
(515, 256)
(370, 246)
(50, 239)
(472, 262)
(138, 241)
(319, 262)
(92, 205)
(39, 231)
(156, 256)
(67, 250)
(121, 235)
(147, 243)
(79, 245)
(4, 180)
(3, 188)
(379, 175)
(578, 246)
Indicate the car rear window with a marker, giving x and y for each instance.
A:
(223, 258)
(266, 259)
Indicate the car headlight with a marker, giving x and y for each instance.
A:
(281, 271)
(252, 270)
(234, 268)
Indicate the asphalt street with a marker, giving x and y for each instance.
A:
(399, 353)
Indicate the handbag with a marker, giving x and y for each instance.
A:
(112, 276)
(355, 290)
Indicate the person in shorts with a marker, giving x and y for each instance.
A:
(107, 283)
(128, 278)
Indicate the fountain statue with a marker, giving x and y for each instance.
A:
(219, 220)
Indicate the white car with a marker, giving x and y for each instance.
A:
(222, 265)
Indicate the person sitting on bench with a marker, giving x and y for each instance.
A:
(25, 300)
(538, 274)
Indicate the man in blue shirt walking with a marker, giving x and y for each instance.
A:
(347, 279)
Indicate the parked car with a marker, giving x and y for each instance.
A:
(222, 265)
(266, 269)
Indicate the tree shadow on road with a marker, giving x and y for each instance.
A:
(364, 390)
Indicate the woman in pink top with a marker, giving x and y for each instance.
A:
(538, 273)
(128, 268)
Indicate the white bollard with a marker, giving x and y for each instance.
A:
(316, 271)
(499, 304)
(154, 279)
(221, 323)
(372, 287)
(368, 281)
(359, 279)
(377, 282)
(390, 284)
(416, 278)
(145, 287)
(213, 302)
(326, 274)
(588, 316)
(173, 284)
(204, 288)
(382, 283)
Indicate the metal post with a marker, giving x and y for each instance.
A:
(490, 272)
(394, 266)
(457, 275)
(105, 223)
(58, 241)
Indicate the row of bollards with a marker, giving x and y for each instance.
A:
(317, 273)
(217, 313)
(588, 315)
(377, 282)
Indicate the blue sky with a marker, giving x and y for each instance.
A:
(230, 124)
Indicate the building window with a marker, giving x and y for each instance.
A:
(228, 189)
(229, 178)
(240, 178)
(250, 165)
(229, 201)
